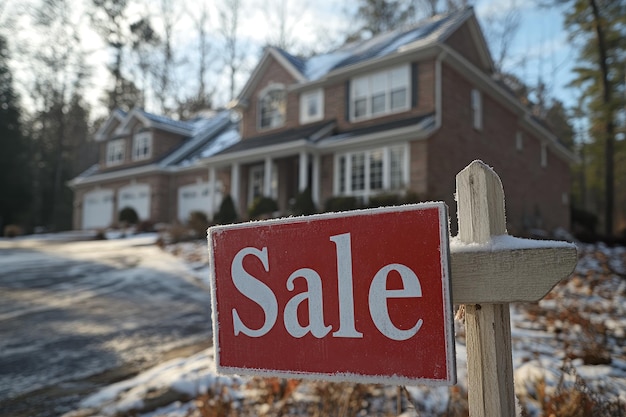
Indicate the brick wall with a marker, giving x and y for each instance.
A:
(534, 194)
(334, 101)
(274, 73)
(463, 42)
(162, 144)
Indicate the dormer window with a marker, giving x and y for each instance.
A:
(311, 106)
(272, 107)
(115, 152)
(380, 93)
(142, 146)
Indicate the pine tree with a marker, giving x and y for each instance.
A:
(601, 25)
(14, 163)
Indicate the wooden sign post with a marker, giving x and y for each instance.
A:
(295, 297)
(489, 270)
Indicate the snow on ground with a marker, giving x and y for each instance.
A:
(570, 344)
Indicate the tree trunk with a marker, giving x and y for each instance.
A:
(609, 129)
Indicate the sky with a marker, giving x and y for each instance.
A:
(539, 51)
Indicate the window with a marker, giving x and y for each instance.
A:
(273, 107)
(142, 146)
(312, 106)
(256, 182)
(380, 93)
(115, 152)
(371, 171)
(477, 110)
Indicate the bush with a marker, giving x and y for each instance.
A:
(384, 200)
(198, 222)
(128, 216)
(262, 205)
(341, 203)
(13, 230)
(145, 226)
(304, 204)
(227, 212)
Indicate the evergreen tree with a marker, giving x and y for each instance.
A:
(14, 163)
(601, 26)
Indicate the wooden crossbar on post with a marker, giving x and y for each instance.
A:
(487, 279)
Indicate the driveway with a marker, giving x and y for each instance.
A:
(77, 315)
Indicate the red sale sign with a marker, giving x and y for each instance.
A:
(356, 296)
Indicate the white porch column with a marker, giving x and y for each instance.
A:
(303, 174)
(234, 184)
(315, 186)
(212, 189)
(267, 178)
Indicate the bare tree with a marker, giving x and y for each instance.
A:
(501, 31)
(169, 16)
(229, 14)
(202, 98)
(282, 16)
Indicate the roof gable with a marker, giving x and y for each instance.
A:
(409, 38)
(423, 34)
(153, 121)
(108, 127)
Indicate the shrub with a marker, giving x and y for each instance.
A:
(262, 205)
(198, 222)
(145, 226)
(304, 204)
(128, 215)
(341, 203)
(13, 230)
(384, 200)
(227, 212)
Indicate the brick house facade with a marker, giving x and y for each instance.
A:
(149, 164)
(400, 113)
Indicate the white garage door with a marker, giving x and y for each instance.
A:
(137, 197)
(97, 209)
(196, 197)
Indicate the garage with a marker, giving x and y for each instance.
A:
(137, 197)
(97, 209)
(197, 197)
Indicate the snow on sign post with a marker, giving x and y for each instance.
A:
(354, 296)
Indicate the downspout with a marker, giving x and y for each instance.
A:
(438, 89)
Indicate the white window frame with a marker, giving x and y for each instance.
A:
(316, 96)
(364, 89)
(279, 116)
(142, 146)
(477, 109)
(343, 181)
(260, 171)
(115, 152)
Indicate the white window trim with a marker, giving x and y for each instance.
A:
(114, 148)
(367, 192)
(477, 109)
(273, 186)
(138, 139)
(304, 98)
(387, 91)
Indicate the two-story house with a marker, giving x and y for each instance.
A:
(401, 112)
(148, 163)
